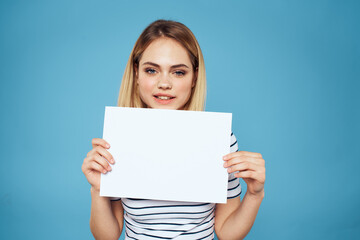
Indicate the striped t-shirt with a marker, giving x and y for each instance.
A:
(157, 219)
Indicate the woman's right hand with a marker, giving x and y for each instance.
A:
(97, 162)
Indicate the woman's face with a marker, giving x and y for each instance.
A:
(165, 75)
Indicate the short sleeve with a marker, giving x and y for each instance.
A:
(234, 187)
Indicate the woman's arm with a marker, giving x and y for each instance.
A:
(106, 219)
(234, 219)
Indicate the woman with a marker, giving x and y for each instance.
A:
(166, 70)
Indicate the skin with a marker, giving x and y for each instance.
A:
(165, 68)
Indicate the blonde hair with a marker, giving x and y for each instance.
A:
(129, 94)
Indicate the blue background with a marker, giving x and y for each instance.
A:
(287, 70)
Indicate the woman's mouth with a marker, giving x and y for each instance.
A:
(164, 99)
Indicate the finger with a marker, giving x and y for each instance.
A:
(244, 166)
(100, 142)
(241, 153)
(97, 167)
(91, 152)
(251, 174)
(102, 161)
(240, 159)
(104, 153)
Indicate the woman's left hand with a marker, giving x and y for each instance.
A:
(251, 167)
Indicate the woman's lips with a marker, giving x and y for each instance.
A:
(164, 99)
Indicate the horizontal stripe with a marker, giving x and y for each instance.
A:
(148, 235)
(160, 223)
(206, 236)
(233, 144)
(127, 236)
(171, 230)
(184, 218)
(229, 189)
(153, 229)
(137, 199)
(189, 233)
(234, 196)
(232, 180)
(158, 213)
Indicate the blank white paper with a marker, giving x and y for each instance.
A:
(166, 154)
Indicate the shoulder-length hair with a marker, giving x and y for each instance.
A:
(129, 93)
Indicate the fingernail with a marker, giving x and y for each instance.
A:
(109, 168)
(107, 145)
(225, 165)
(224, 157)
(104, 171)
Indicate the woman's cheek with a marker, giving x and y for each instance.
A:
(185, 89)
(146, 85)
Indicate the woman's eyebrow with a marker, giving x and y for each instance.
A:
(151, 63)
(179, 65)
(157, 65)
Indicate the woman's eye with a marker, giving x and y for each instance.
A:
(150, 70)
(179, 73)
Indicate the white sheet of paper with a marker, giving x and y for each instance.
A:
(166, 154)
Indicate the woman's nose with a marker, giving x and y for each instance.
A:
(164, 82)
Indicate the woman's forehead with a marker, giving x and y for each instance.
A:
(165, 51)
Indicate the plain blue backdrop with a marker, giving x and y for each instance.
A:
(287, 70)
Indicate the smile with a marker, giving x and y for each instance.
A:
(162, 99)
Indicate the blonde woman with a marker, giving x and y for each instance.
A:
(166, 70)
